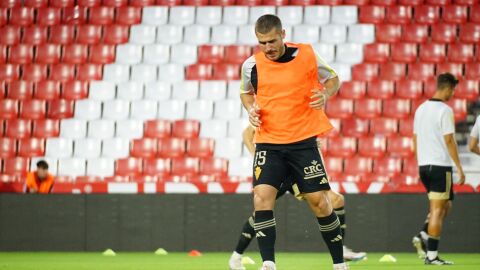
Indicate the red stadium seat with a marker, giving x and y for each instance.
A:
(102, 54)
(62, 72)
(461, 53)
(157, 167)
(404, 52)
(355, 127)
(430, 87)
(226, 72)
(444, 33)
(381, 89)
(9, 72)
(393, 71)
(115, 3)
(8, 147)
(3, 53)
(144, 148)
(33, 109)
(46, 128)
(258, 2)
(8, 109)
(467, 89)
(35, 34)
(409, 89)
(60, 109)
(20, 90)
(210, 54)
(3, 90)
(34, 72)
(399, 14)
(89, 72)
(62, 3)
(21, 16)
(371, 14)
(20, 54)
(200, 147)
(31, 147)
(232, 2)
(475, 13)
(47, 90)
(365, 72)
(62, 34)
(217, 167)
(400, 146)
(372, 146)
(406, 127)
(10, 3)
(368, 108)
(416, 33)
(438, 2)
(358, 166)
(376, 52)
(197, 3)
(158, 129)
(388, 33)
(432, 53)
(101, 15)
(342, 147)
(129, 167)
(89, 3)
(89, 34)
(472, 71)
(16, 166)
(427, 14)
(35, 3)
(128, 15)
(142, 3)
(454, 68)
(237, 54)
(333, 166)
(48, 54)
(18, 128)
(356, 2)
(339, 108)
(353, 89)
(421, 71)
(387, 167)
(171, 147)
(336, 123)
(199, 72)
(115, 34)
(10, 34)
(396, 108)
(185, 166)
(465, 2)
(74, 90)
(383, 126)
(459, 107)
(49, 16)
(75, 53)
(3, 16)
(186, 129)
(455, 14)
(275, 2)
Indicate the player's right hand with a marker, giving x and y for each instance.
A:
(254, 116)
(461, 174)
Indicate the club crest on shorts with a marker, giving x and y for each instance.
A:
(314, 170)
(258, 171)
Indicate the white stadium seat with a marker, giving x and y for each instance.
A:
(361, 33)
(257, 11)
(156, 54)
(52, 164)
(155, 15)
(158, 90)
(144, 109)
(199, 109)
(224, 34)
(73, 128)
(215, 128)
(333, 34)
(182, 15)
(317, 15)
(233, 89)
(246, 35)
(349, 53)
(101, 129)
(72, 167)
(59, 148)
(169, 34)
(129, 129)
(209, 15)
(186, 90)
(144, 73)
(236, 127)
(128, 54)
(235, 15)
(131, 90)
(197, 34)
(228, 109)
(326, 51)
(171, 109)
(306, 33)
(87, 148)
(344, 14)
(185, 54)
(228, 147)
(102, 167)
(116, 148)
(88, 109)
(116, 109)
(290, 15)
(116, 72)
(142, 34)
(171, 73)
(240, 166)
(102, 90)
(344, 71)
(213, 90)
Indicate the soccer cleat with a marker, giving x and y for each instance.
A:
(420, 246)
(340, 266)
(437, 261)
(350, 255)
(268, 265)
(235, 262)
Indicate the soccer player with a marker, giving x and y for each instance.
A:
(40, 181)
(280, 91)
(435, 147)
(248, 232)
(474, 137)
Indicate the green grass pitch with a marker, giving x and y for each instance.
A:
(211, 261)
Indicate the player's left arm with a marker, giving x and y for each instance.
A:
(473, 142)
(329, 78)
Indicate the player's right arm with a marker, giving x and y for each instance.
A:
(448, 130)
(247, 92)
(473, 142)
(247, 135)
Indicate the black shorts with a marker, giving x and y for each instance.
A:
(438, 181)
(303, 164)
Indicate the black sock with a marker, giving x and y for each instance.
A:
(432, 244)
(341, 216)
(248, 233)
(265, 233)
(332, 235)
(425, 227)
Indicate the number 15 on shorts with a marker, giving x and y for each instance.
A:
(260, 159)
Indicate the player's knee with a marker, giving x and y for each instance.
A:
(337, 200)
(262, 202)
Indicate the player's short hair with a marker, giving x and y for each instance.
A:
(42, 164)
(446, 80)
(268, 22)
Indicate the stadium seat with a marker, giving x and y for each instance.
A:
(102, 167)
(89, 3)
(208, 15)
(3, 16)
(257, 11)
(20, 90)
(33, 109)
(18, 128)
(393, 71)
(171, 147)
(48, 16)
(171, 109)
(227, 109)
(400, 146)
(196, 34)
(327, 51)
(115, 3)
(31, 147)
(444, 33)
(89, 34)
(365, 72)
(361, 33)
(224, 34)
(432, 53)
(116, 109)
(101, 15)
(115, 34)
(74, 90)
(199, 109)
(235, 15)
(75, 53)
(349, 53)
(385, 168)
(144, 148)
(290, 15)
(199, 72)
(383, 126)
(415, 33)
(200, 147)
(171, 73)
(17, 166)
(213, 90)
(461, 53)
(358, 166)
(88, 109)
(317, 15)
(454, 14)
(8, 108)
(128, 167)
(409, 89)
(102, 54)
(128, 15)
(116, 73)
(343, 71)
(213, 129)
(354, 127)
(116, 147)
(158, 129)
(46, 128)
(129, 54)
(11, 34)
(472, 70)
(376, 52)
(343, 15)
(426, 14)
(73, 128)
(373, 147)
(9, 72)
(60, 108)
(371, 14)
(352, 90)
(87, 147)
(157, 166)
(185, 166)
(74, 15)
(20, 54)
(101, 128)
(399, 14)
(404, 52)
(186, 90)
(144, 73)
(62, 34)
(102, 90)
(470, 33)
(396, 108)
(345, 147)
(217, 167)
(410, 167)
(59, 148)
(306, 33)
(154, 15)
(142, 34)
(144, 109)
(380, 89)
(228, 148)
(333, 34)
(62, 72)
(236, 127)
(34, 72)
(454, 68)
(388, 33)
(467, 89)
(169, 34)
(157, 90)
(246, 35)
(8, 147)
(35, 34)
(459, 107)
(339, 108)
(368, 108)
(21, 16)
(3, 53)
(421, 71)
(129, 128)
(130, 90)
(185, 54)
(155, 54)
(430, 86)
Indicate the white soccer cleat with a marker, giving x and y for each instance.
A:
(235, 262)
(268, 265)
(419, 245)
(350, 255)
(340, 266)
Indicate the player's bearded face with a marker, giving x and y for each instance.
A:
(272, 44)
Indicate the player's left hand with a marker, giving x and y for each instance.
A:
(319, 99)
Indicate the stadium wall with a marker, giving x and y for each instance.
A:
(212, 223)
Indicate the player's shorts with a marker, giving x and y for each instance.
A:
(303, 164)
(438, 181)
